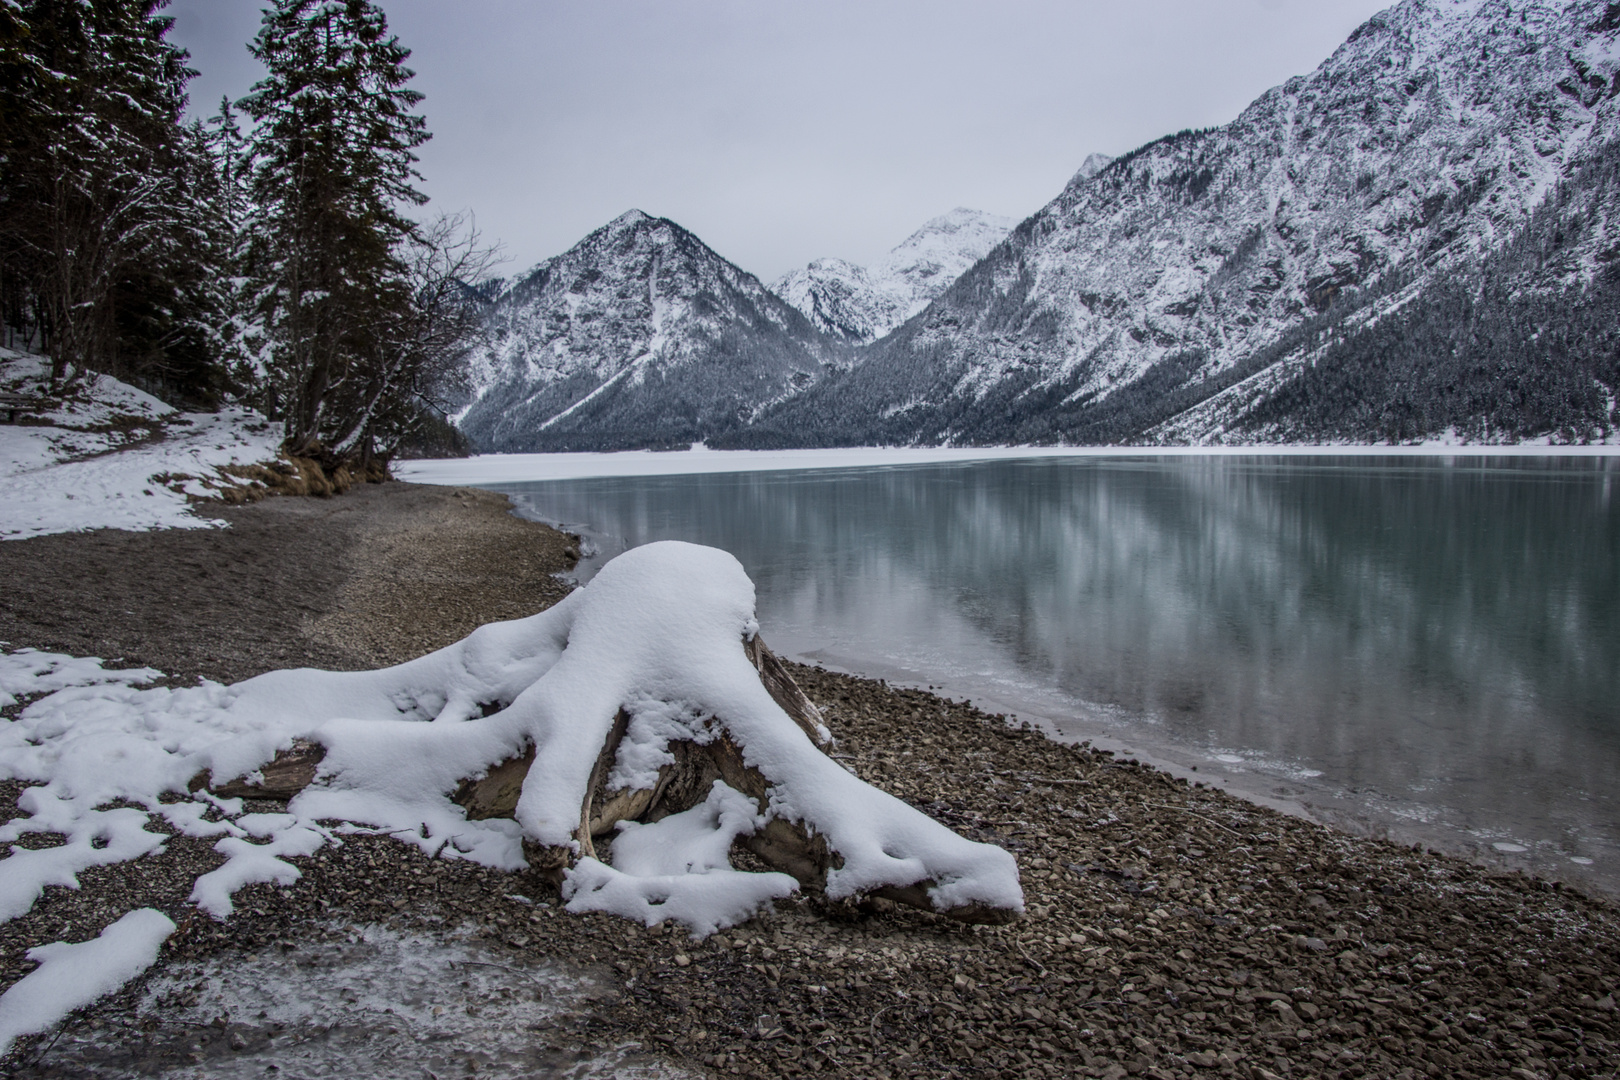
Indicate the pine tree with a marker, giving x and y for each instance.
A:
(333, 169)
(214, 326)
(93, 161)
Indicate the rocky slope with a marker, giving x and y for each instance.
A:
(1413, 157)
(861, 304)
(1526, 345)
(638, 336)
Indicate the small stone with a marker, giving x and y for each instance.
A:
(236, 1041)
(682, 960)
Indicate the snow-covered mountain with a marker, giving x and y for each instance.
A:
(1410, 157)
(638, 336)
(861, 304)
(1419, 239)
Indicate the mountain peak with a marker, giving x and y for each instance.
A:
(1094, 164)
(864, 303)
(638, 335)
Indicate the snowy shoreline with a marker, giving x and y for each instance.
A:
(515, 468)
(110, 456)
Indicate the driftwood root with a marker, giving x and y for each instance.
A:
(785, 846)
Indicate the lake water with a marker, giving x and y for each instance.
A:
(1422, 647)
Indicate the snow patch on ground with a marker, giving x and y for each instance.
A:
(109, 456)
(72, 975)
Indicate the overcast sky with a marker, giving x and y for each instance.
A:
(781, 131)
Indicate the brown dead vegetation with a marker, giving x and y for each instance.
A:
(289, 475)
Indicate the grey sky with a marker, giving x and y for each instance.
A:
(781, 132)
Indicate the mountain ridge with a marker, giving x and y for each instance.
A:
(1423, 144)
(1236, 283)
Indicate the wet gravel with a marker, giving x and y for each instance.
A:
(1174, 930)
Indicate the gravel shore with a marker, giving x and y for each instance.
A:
(1173, 930)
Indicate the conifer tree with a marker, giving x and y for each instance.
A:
(221, 323)
(92, 166)
(333, 171)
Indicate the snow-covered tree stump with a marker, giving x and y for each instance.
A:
(620, 742)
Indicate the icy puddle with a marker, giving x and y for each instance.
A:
(365, 1001)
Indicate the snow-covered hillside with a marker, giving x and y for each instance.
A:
(638, 336)
(1421, 146)
(1407, 243)
(861, 304)
(108, 456)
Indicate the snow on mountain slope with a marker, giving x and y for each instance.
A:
(849, 301)
(638, 336)
(1421, 145)
(862, 304)
(1094, 164)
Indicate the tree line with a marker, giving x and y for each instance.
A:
(272, 254)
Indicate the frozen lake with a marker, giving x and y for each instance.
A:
(1426, 646)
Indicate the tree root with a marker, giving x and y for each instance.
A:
(785, 846)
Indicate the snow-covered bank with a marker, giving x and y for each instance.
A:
(109, 456)
(511, 468)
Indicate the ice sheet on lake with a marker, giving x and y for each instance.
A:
(515, 468)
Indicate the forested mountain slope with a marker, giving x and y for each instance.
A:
(1406, 170)
(638, 336)
(1524, 346)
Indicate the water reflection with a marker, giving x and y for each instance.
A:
(1444, 633)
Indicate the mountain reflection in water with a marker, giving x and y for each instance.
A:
(1440, 637)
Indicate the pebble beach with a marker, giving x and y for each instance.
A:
(1172, 929)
